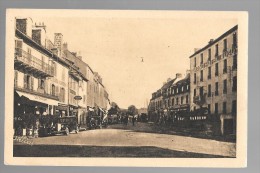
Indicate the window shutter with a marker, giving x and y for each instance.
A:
(25, 80)
(18, 47)
(39, 83)
(57, 91)
(32, 82)
(18, 44)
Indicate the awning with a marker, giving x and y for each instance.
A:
(38, 98)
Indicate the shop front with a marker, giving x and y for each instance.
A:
(28, 112)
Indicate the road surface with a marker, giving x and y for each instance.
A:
(124, 141)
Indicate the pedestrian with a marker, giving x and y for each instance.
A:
(133, 120)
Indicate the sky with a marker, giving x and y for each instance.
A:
(114, 47)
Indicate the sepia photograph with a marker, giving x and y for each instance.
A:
(126, 88)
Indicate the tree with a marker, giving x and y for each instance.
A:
(114, 109)
(132, 110)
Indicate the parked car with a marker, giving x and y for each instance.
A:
(66, 125)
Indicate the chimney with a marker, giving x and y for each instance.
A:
(65, 46)
(210, 41)
(74, 53)
(58, 38)
(169, 79)
(24, 25)
(39, 34)
(178, 75)
(55, 51)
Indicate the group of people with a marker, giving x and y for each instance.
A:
(125, 119)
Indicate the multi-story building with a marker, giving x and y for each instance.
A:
(171, 99)
(40, 82)
(178, 100)
(213, 80)
(49, 79)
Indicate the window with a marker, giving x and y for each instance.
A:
(234, 107)
(209, 54)
(195, 62)
(28, 82)
(209, 90)
(201, 92)
(201, 58)
(216, 88)
(225, 66)
(187, 99)
(216, 108)
(225, 86)
(172, 101)
(201, 75)
(62, 95)
(209, 108)
(181, 100)
(173, 90)
(234, 40)
(188, 87)
(177, 90)
(216, 69)
(234, 62)
(216, 50)
(41, 84)
(195, 92)
(177, 101)
(234, 86)
(195, 76)
(209, 72)
(53, 89)
(225, 45)
(224, 107)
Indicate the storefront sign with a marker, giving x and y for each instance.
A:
(227, 53)
(40, 98)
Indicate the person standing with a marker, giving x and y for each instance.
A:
(133, 120)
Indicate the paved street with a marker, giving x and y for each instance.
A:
(124, 141)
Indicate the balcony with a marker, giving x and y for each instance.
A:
(200, 99)
(29, 63)
(40, 92)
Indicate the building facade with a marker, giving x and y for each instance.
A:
(172, 100)
(213, 80)
(49, 80)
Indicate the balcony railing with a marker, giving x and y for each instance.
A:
(33, 62)
(39, 92)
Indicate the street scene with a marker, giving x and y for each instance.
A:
(124, 87)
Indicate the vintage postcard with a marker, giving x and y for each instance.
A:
(126, 88)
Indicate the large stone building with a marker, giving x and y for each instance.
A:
(49, 79)
(171, 100)
(213, 80)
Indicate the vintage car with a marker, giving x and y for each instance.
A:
(66, 125)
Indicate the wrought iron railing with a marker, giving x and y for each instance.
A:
(32, 61)
(39, 92)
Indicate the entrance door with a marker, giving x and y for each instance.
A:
(228, 126)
